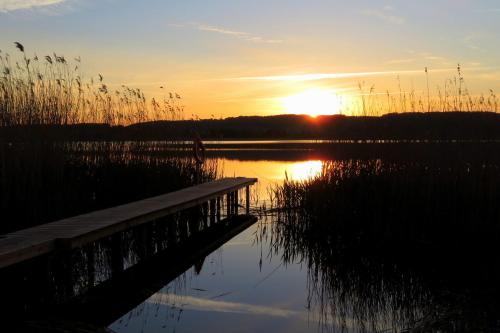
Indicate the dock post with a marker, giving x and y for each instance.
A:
(231, 203)
(145, 247)
(218, 209)
(90, 254)
(183, 231)
(247, 199)
(228, 204)
(212, 212)
(116, 254)
(63, 271)
(205, 213)
(172, 230)
(236, 203)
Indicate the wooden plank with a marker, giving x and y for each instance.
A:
(80, 230)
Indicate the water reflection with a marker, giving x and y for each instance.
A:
(281, 275)
(269, 172)
(239, 288)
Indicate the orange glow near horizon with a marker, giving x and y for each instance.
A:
(313, 102)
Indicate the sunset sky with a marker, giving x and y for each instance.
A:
(235, 57)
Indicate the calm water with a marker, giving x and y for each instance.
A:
(243, 286)
(263, 281)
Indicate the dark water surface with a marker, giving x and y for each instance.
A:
(350, 237)
(234, 291)
(276, 278)
(244, 286)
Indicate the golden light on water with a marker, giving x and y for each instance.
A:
(304, 170)
(313, 102)
(271, 173)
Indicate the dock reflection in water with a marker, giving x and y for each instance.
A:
(238, 288)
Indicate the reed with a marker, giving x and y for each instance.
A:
(399, 245)
(42, 182)
(453, 95)
(426, 203)
(44, 177)
(52, 90)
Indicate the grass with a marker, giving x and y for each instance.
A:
(46, 177)
(51, 90)
(406, 245)
(422, 202)
(43, 178)
(453, 95)
(42, 182)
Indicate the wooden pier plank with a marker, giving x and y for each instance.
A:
(80, 230)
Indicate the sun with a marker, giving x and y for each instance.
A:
(312, 102)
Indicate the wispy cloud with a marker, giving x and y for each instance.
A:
(13, 5)
(435, 60)
(400, 61)
(328, 76)
(386, 14)
(472, 41)
(247, 36)
(210, 28)
(323, 76)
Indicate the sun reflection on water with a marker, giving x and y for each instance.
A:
(270, 173)
(304, 170)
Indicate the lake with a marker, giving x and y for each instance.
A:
(268, 279)
(243, 285)
(349, 237)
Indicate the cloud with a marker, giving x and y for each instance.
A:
(13, 5)
(232, 33)
(386, 14)
(434, 58)
(323, 76)
(474, 64)
(210, 28)
(329, 76)
(400, 61)
(472, 41)
(490, 76)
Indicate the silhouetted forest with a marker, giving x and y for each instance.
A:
(408, 126)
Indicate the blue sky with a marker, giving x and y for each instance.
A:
(200, 48)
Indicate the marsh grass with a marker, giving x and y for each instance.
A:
(405, 245)
(44, 177)
(427, 203)
(453, 95)
(52, 90)
(42, 182)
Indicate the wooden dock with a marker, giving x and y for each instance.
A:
(77, 231)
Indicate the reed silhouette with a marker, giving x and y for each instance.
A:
(398, 245)
(46, 181)
(45, 175)
(52, 90)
